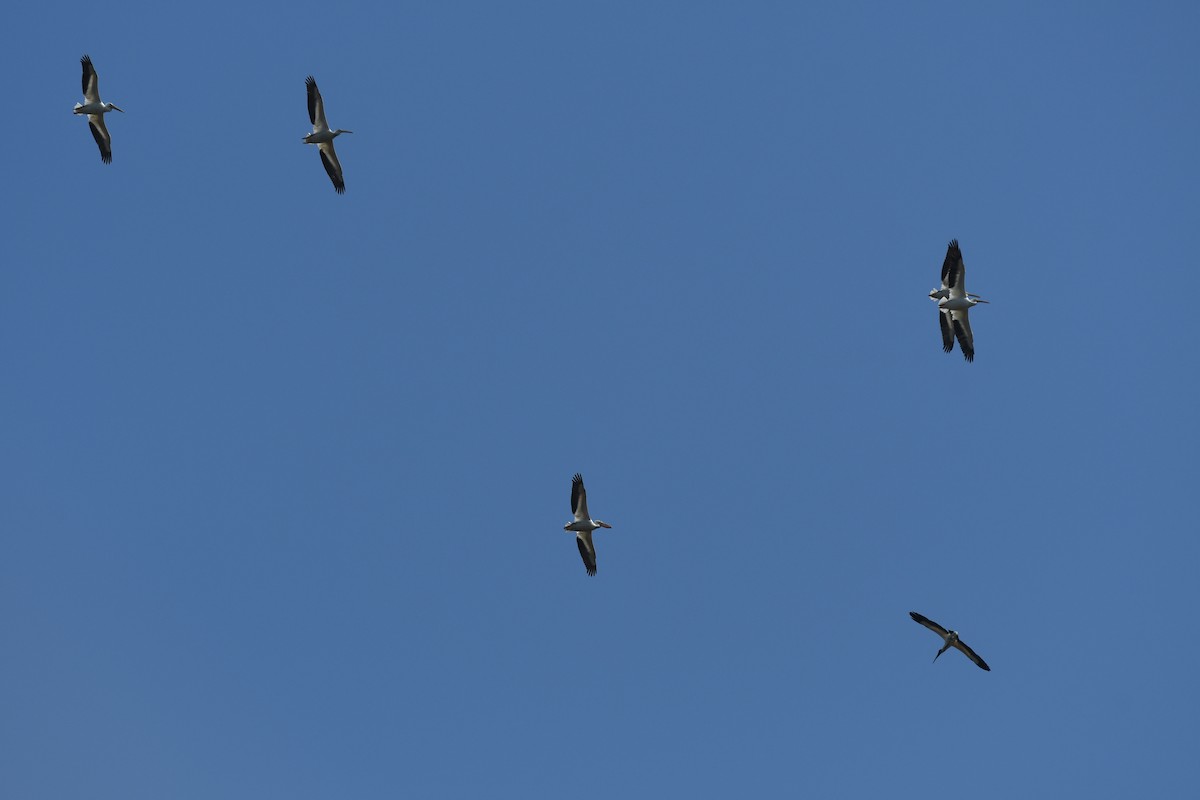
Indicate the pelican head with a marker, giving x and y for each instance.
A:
(111, 107)
(339, 131)
(978, 299)
(603, 524)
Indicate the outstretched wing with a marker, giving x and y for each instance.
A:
(953, 270)
(947, 330)
(962, 330)
(579, 498)
(91, 82)
(100, 134)
(332, 166)
(587, 550)
(969, 653)
(316, 106)
(928, 623)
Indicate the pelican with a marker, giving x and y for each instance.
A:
(583, 524)
(951, 639)
(953, 303)
(95, 109)
(322, 137)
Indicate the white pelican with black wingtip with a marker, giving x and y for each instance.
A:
(583, 525)
(322, 137)
(953, 303)
(95, 109)
(951, 640)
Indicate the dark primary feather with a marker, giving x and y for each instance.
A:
(928, 623)
(105, 152)
(952, 267)
(947, 333)
(971, 654)
(589, 563)
(338, 184)
(88, 71)
(964, 341)
(576, 491)
(313, 96)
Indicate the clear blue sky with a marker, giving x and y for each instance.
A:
(283, 474)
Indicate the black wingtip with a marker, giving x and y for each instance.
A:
(968, 350)
(86, 60)
(578, 478)
(589, 560)
(310, 81)
(105, 150)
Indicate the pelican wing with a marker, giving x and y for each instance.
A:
(579, 499)
(969, 653)
(316, 106)
(953, 270)
(100, 133)
(928, 623)
(587, 550)
(962, 330)
(332, 166)
(947, 330)
(91, 83)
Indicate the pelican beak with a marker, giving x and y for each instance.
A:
(119, 109)
(604, 525)
(980, 300)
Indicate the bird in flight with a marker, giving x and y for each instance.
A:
(583, 524)
(322, 137)
(95, 109)
(953, 303)
(951, 640)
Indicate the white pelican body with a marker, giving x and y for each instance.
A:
(953, 303)
(322, 137)
(938, 294)
(583, 524)
(95, 109)
(959, 303)
(951, 640)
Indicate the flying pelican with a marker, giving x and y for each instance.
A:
(953, 303)
(951, 639)
(583, 524)
(322, 137)
(95, 109)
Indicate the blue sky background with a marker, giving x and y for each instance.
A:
(283, 474)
